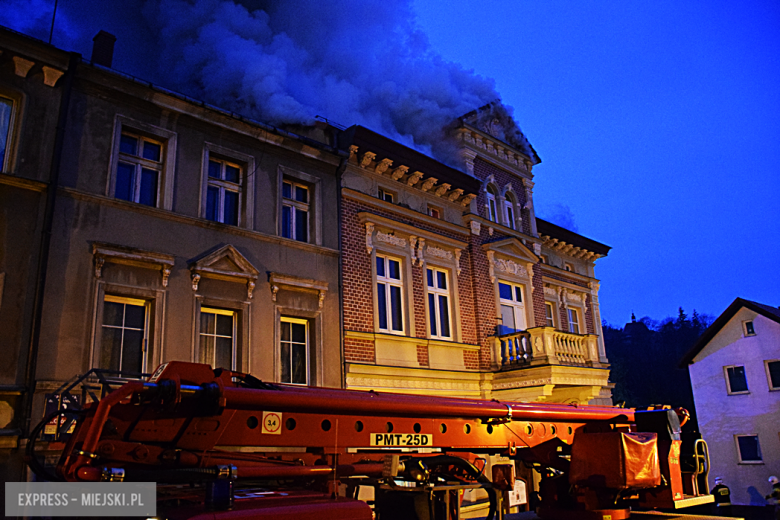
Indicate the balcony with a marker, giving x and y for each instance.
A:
(545, 346)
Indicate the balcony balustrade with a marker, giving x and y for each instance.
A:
(545, 346)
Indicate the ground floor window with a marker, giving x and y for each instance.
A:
(294, 349)
(218, 337)
(124, 333)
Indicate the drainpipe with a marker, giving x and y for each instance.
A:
(43, 257)
(339, 174)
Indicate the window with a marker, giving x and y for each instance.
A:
(434, 212)
(295, 211)
(124, 337)
(569, 267)
(386, 195)
(439, 304)
(549, 309)
(294, 349)
(574, 321)
(138, 169)
(509, 212)
(389, 291)
(492, 212)
(749, 330)
(736, 380)
(218, 338)
(773, 374)
(749, 449)
(6, 128)
(512, 307)
(223, 193)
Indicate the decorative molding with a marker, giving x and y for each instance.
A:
(383, 165)
(491, 265)
(390, 239)
(455, 194)
(420, 244)
(511, 267)
(321, 299)
(369, 233)
(549, 291)
(367, 159)
(476, 227)
(428, 183)
(22, 66)
(438, 252)
(537, 248)
(274, 290)
(413, 178)
(467, 198)
(50, 76)
(279, 281)
(572, 296)
(250, 287)
(399, 172)
(457, 260)
(131, 256)
(418, 384)
(442, 189)
(227, 264)
(413, 253)
(195, 281)
(353, 150)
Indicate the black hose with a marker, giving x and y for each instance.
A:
(471, 470)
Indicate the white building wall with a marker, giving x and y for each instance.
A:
(722, 416)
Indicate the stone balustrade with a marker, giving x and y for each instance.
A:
(546, 346)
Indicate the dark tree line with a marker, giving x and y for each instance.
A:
(644, 357)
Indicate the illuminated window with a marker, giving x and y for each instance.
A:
(549, 309)
(736, 380)
(295, 210)
(512, 303)
(574, 321)
(124, 337)
(294, 349)
(218, 338)
(223, 193)
(389, 294)
(439, 304)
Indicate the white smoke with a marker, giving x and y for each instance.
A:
(559, 214)
(285, 62)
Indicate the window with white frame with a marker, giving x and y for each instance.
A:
(773, 373)
(124, 333)
(492, 208)
(574, 320)
(512, 301)
(389, 294)
(509, 211)
(439, 303)
(7, 113)
(549, 309)
(294, 350)
(217, 338)
(296, 202)
(736, 380)
(223, 193)
(138, 168)
(748, 328)
(386, 196)
(748, 449)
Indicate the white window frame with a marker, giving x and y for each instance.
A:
(234, 334)
(509, 214)
(315, 202)
(305, 323)
(739, 452)
(746, 325)
(390, 282)
(518, 308)
(769, 375)
(7, 164)
(167, 139)
(553, 314)
(491, 203)
(245, 188)
(438, 292)
(728, 381)
(102, 325)
(574, 311)
(384, 194)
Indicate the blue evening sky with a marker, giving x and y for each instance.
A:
(658, 126)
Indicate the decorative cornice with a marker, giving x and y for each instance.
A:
(227, 264)
(131, 256)
(388, 223)
(511, 267)
(279, 281)
(439, 252)
(388, 238)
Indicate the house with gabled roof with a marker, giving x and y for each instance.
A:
(735, 376)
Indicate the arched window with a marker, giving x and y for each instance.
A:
(492, 208)
(509, 210)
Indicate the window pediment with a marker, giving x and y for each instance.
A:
(296, 283)
(227, 264)
(512, 248)
(131, 256)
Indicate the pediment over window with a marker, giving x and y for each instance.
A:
(227, 264)
(512, 247)
(296, 283)
(511, 258)
(131, 256)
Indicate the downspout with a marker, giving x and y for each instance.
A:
(339, 174)
(43, 257)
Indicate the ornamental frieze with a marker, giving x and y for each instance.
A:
(390, 239)
(511, 267)
(439, 252)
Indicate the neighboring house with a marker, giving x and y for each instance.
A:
(178, 232)
(452, 285)
(735, 375)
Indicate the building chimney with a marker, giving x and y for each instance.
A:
(103, 49)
